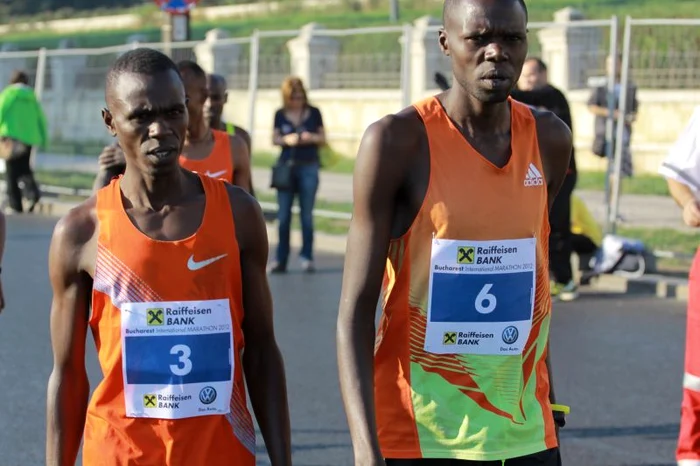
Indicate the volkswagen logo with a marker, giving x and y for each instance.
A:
(207, 395)
(510, 335)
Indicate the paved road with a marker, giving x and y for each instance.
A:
(618, 362)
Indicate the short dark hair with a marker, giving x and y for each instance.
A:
(189, 66)
(542, 66)
(451, 3)
(141, 61)
(218, 78)
(19, 77)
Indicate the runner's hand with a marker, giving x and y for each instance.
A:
(691, 213)
(111, 156)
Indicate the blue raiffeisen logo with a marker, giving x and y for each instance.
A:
(207, 395)
(510, 335)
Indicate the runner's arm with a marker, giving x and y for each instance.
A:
(262, 360)
(245, 135)
(555, 149)
(68, 387)
(241, 164)
(376, 182)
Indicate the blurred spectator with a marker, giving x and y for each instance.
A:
(298, 129)
(534, 89)
(214, 109)
(22, 126)
(598, 105)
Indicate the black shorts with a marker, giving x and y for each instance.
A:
(543, 458)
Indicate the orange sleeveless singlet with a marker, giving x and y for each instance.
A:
(460, 352)
(218, 164)
(166, 319)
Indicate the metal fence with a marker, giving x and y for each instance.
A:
(663, 54)
(657, 54)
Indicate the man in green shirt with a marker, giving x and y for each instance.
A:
(22, 126)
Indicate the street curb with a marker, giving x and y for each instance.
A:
(660, 286)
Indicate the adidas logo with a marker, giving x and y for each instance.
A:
(533, 177)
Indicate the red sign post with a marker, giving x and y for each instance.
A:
(179, 15)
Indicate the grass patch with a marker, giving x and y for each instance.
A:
(639, 184)
(342, 16)
(294, 18)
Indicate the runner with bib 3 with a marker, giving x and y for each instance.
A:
(166, 269)
(177, 367)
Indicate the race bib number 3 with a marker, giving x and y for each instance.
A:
(177, 358)
(481, 296)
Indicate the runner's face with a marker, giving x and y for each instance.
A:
(196, 89)
(532, 78)
(214, 105)
(486, 41)
(148, 115)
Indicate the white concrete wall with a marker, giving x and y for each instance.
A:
(662, 115)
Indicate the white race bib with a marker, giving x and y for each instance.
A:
(481, 296)
(177, 358)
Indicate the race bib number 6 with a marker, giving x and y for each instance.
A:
(481, 296)
(177, 358)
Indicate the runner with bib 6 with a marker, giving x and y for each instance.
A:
(481, 296)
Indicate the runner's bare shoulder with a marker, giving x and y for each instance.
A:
(550, 128)
(393, 135)
(74, 239)
(387, 151)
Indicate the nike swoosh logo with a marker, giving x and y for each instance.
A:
(216, 174)
(194, 265)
